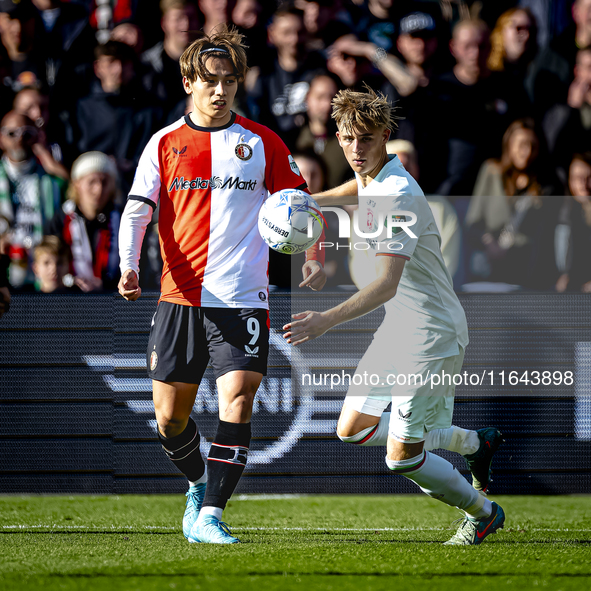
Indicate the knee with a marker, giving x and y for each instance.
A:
(239, 409)
(170, 425)
(398, 451)
(347, 434)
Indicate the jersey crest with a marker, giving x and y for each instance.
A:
(243, 151)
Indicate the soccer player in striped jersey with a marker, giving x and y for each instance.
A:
(424, 332)
(210, 172)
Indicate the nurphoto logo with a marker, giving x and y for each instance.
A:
(393, 222)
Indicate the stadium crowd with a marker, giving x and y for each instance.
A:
(494, 119)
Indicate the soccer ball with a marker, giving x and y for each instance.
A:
(284, 220)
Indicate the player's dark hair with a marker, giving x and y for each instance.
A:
(225, 43)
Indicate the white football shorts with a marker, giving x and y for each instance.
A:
(420, 403)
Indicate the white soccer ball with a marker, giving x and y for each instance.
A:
(284, 219)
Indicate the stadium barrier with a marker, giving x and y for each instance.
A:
(76, 412)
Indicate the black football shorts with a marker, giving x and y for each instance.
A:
(184, 338)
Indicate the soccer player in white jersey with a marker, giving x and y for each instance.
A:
(210, 172)
(424, 332)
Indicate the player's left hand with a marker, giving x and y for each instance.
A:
(314, 275)
(306, 327)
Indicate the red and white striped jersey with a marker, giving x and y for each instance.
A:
(211, 183)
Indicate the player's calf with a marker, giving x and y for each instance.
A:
(183, 451)
(225, 464)
(436, 477)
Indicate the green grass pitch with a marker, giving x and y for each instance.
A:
(310, 542)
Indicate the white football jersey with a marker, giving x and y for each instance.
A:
(425, 318)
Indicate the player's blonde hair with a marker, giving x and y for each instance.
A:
(362, 110)
(222, 43)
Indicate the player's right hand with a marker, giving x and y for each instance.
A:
(129, 286)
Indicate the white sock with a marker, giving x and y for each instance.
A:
(440, 480)
(462, 441)
(201, 480)
(215, 511)
(376, 435)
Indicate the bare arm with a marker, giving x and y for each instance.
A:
(397, 73)
(390, 66)
(345, 194)
(310, 325)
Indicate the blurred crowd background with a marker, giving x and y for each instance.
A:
(493, 100)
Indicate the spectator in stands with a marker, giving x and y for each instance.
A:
(116, 117)
(107, 15)
(573, 234)
(511, 214)
(51, 265)
(18, 53)
(249, 17)
(522, 168)
(376, 20)
(325, 21)
(347, 59)
(130, 34)
(66, 42)
(418, 44)
(29, 196)
(278, 98)
(552, 17)
(513, 41)
(319, 132)
(33, 103)
(478, 107)
(567, 126)
(180, 24)
(216, 13)
(554, 66)
(514, 45)
(4, 264)
(407, 154)
(89, 222)
(349, 52)
(247, 14)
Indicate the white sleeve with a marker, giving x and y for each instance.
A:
(141, 203)
(134, 221)
(147, 182)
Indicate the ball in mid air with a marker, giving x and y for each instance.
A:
(290, 221)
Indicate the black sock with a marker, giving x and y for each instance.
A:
(183, 450)
(226, 462)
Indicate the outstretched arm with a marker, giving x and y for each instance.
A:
(308, 325)
(345, 194)
(391, 67)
